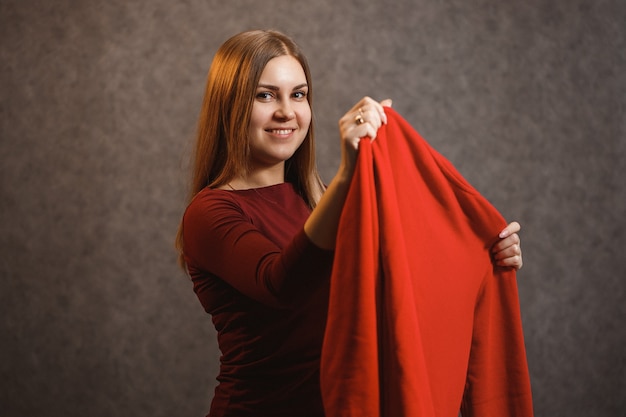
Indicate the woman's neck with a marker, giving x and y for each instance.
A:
(258, 178)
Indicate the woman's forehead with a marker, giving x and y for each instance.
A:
(283, 71)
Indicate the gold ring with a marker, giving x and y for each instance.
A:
(359, 119)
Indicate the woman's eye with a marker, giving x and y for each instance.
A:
(265, 95)
(300, 94)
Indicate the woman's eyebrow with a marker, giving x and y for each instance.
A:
(275, 88)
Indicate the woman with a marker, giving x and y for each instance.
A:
(258, 234)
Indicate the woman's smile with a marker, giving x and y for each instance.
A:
(281, 132)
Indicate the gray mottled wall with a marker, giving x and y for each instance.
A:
(98, 102)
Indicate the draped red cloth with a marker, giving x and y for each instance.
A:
(420, 322)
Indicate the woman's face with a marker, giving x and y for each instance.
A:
(281, 114)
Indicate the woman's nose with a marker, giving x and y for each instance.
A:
(285, 110)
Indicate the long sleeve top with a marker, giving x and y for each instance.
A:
(265, 285)
(420, 322)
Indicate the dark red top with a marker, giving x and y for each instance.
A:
(266, 286)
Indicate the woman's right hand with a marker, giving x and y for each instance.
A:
(362, 120)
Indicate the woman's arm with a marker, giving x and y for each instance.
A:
(222, 241)
(362, 120)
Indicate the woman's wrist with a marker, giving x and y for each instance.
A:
(344, 174)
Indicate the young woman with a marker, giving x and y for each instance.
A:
(258, 234)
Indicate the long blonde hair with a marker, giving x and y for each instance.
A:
(222, 149)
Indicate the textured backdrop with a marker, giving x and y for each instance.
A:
(98, 104)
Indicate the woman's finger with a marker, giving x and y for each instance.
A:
(511, 228)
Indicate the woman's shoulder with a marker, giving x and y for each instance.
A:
(208, 194)
(212, 200)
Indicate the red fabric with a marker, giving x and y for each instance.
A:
(420, 323)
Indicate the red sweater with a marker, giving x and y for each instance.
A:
(266, 286)
(420, 323)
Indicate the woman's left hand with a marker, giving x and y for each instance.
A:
(507, 251)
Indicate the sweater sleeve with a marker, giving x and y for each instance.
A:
(221, 242)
